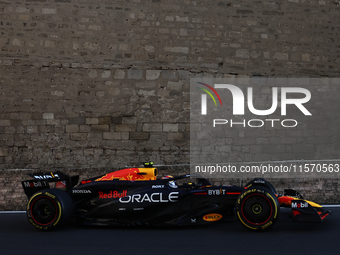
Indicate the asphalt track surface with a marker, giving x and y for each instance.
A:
(17, 236)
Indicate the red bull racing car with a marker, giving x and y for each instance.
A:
(135, 196)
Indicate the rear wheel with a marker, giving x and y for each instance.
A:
(257, 208)
(49, 209)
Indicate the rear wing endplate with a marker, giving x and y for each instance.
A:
(41, 181)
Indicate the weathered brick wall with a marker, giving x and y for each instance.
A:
(101, 84)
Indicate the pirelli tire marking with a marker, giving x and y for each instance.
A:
(49, 209)
(257, 208)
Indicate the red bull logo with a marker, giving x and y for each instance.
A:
(112, 194)
(131, 174)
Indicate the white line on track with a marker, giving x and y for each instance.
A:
(3, 212)
(330, 206)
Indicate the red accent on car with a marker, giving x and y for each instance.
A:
(200, 193)
(295, 212)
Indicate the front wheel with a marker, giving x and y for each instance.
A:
(49, 209)
(257, 208)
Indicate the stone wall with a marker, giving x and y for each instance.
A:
(104, 84)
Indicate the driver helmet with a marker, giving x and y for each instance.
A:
(172, 183)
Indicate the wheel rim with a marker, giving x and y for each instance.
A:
(43, 210)
(257, 209)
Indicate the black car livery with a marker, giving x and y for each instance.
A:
(135, 196)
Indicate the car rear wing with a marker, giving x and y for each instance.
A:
(42, 181)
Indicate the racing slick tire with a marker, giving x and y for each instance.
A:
(257, 208)
(263, 183)
(49, 209)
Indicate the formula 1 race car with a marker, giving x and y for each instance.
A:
(134, 196)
